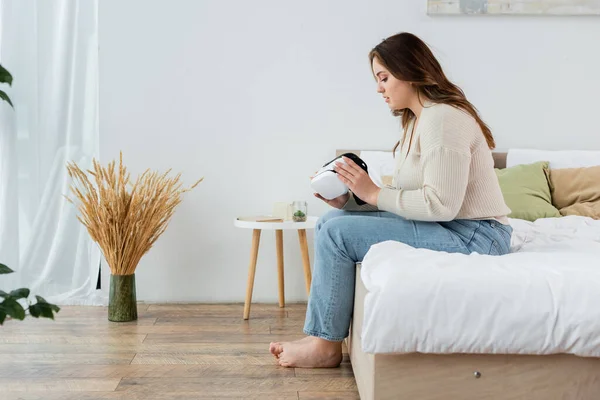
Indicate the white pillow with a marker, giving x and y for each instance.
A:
(556, 158)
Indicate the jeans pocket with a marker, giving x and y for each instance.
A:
(501, 244)
(494, 249)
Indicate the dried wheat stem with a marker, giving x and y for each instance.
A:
(125, 224)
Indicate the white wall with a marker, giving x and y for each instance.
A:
(256, 95)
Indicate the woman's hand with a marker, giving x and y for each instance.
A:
(338, 202)
(358, 181)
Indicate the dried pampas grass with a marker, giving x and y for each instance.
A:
(125, 224)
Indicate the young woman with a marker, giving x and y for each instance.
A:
(445, 195)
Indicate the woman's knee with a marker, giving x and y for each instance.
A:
(340, 236)
(333, 229)
(328, 217)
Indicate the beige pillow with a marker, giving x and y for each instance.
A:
(386, 180)
(576, 191)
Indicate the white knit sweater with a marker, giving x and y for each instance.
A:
(447, 174)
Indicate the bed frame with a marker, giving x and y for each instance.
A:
(419, 376)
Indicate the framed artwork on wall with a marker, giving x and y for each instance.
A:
(523, 7)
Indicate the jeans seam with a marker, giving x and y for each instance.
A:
(501, 233)
(334, 292)
(495, 248)
(324, 336)
(330, 305)
(473, 235)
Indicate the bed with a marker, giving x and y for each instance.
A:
(529, 323)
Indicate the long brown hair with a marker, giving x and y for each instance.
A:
(409, 59)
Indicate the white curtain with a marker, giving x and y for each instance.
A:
(51, 49)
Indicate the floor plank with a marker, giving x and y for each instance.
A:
(146, 347)
(62, 359)
(59, 385)
(344, 370)
(70, 339)
(310, 395)
(204, 359)
(74, 320)
(209, 320)
(228, 395)
(224, 308)
(216, 310)
(212, 337)
(147, 371)
(173, 351)
(104, 328)
(241, 384)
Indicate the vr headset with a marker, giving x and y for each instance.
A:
(327, 183)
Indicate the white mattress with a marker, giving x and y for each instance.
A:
(543, 298)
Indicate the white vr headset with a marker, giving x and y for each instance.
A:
(326, 182)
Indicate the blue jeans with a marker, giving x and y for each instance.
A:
(342, 238)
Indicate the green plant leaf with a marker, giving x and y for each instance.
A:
(17, 294)
(5, 97)
(12, 308)
(5, 76)
(41, 300)
(35, 311)
(2, 315)
(4, 294)
(5, 270)
(43, 310)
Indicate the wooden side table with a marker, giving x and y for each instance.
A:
(278, 227)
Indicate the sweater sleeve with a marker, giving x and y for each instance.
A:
(445, 164)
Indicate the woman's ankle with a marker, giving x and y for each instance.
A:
(328, 345)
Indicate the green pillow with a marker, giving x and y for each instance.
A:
(527, 192)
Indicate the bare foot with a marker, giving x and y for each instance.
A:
(310, 352)
(276, 347)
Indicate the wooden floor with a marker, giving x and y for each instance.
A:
(172, 352)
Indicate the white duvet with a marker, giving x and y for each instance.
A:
(542, 298)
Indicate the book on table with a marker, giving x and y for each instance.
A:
(260, 218)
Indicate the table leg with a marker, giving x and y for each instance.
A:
(251, 271)
(305, 260)
(279, 240)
